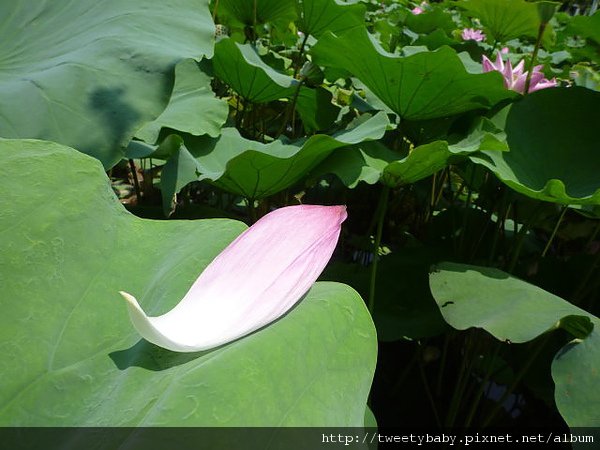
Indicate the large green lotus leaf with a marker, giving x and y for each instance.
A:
(256, 170)
(242, 69)
(89, 74)
(554, 148)
(193, 107)
(318, 16)
(505, 19)
(425, 85)
(511, 309)
(251, 12)
(430, 21)
(506, 307)
(587, 26)
(70, 356)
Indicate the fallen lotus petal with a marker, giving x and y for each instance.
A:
(254, 281)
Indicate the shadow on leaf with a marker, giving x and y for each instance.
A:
(151, 357)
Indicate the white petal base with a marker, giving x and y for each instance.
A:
(149, 330)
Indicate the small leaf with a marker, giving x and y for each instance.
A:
(360, 162)
(579, 326)
(242, 69)
(317, 111)
(180, 169)
(193, 107)
(546, 10)
(421, 162)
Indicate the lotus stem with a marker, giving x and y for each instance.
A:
(440, 379)
(466, 213)
(538, 42)
(494, 45)
(407, 369)
(519, 376)
(521, 237)
(594, 234)
(486, 378)
(427, 389)
(136, 184)
(381, 210)
(251, 210)
(214, 14)
(290, 108)
(300, 55)
(554, 231)
(502, 214)
(586, 278)
(461, 384)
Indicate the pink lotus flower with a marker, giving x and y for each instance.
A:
(515, 79)
(419, 9)
(254, 281)
(470, 34)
